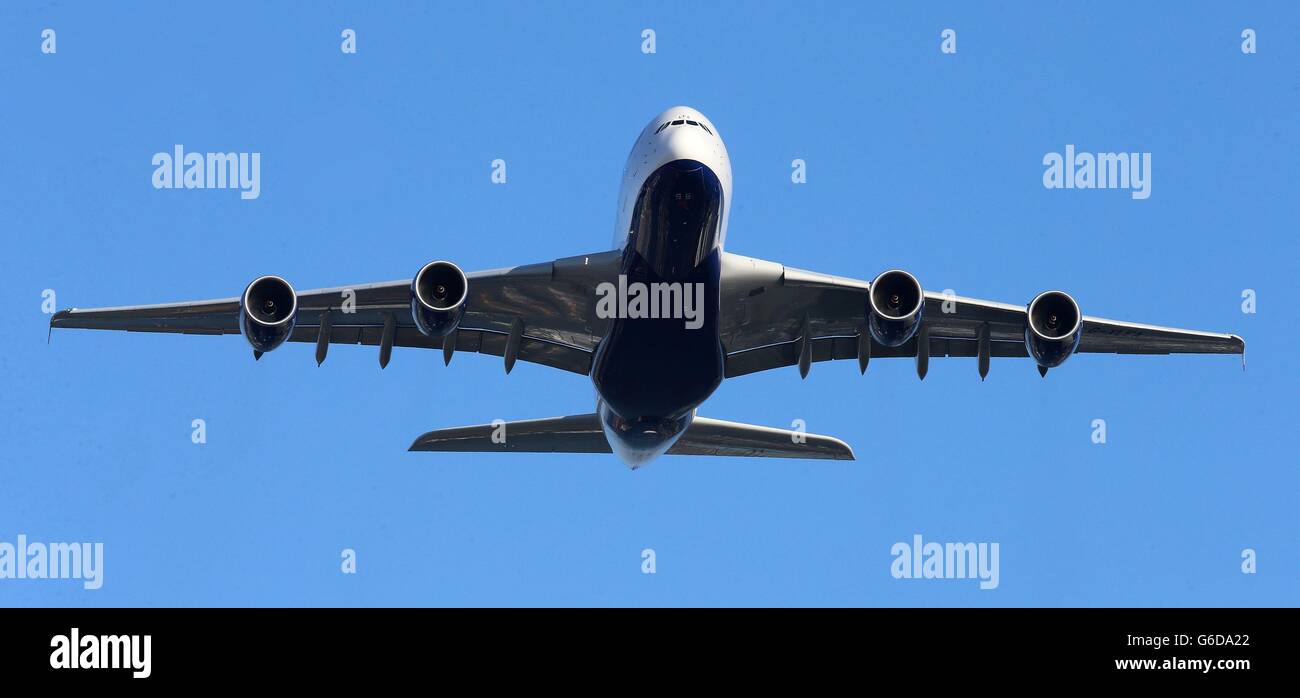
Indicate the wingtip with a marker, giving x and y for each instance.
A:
(55, 318)
(845, 450)
(1241, 349)
(416, 444)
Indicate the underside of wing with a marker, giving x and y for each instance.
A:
(198, 317)
(775, 316)
(845, 348)
(1102, 336)
(538, 313)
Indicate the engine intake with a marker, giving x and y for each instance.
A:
(894, 312)
(438, 295)
(1053, 328)
(267, 312)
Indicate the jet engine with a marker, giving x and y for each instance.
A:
(438, 295)
(267, 313)
(894, 309)
(1053, 328)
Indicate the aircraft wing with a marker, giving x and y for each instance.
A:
(768, 308)
(553, 302)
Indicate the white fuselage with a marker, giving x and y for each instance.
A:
(673, 207)
(655, 148)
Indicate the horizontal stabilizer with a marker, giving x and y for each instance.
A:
(714, 437)
(579, 433)
(582, 434)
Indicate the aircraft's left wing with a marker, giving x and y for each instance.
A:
(550, 304)
(772, 314)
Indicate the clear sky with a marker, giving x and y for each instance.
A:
(376, 162)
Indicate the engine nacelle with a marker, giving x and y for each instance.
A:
(894, 308)
(438, 295)
(1053, 328)
(267, 312)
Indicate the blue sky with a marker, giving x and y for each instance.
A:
(375, 163)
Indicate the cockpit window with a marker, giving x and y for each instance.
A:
(679, 122)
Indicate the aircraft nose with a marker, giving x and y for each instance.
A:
(686, 139)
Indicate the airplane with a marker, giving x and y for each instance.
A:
(658, 321)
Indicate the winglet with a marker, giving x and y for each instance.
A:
(1243, 350)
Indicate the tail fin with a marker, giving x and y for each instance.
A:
(582, 434)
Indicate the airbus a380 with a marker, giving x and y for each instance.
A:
(658, 321)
